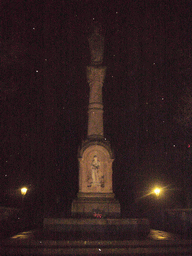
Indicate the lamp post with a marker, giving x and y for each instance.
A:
(157, 218)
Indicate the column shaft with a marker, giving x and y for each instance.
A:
(95, 77)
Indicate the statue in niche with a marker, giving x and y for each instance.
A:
(95, 176)
(95, 165)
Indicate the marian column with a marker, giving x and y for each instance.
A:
(95, 76)
(95, 196)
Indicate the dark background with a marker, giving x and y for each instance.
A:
(44, 93)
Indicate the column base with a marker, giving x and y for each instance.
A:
(90, 205)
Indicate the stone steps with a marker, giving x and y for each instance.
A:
(38, 243)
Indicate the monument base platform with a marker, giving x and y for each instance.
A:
(103, 206)
(103, 228)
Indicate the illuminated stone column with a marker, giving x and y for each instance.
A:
(95, 155)
(95, 77)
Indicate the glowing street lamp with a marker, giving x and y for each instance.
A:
(23, 191)
(157, 191)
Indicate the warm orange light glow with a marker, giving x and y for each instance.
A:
(157, 191)
(23, 191)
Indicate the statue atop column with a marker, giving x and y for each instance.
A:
(96, 45)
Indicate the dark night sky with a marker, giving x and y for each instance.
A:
(44, 54)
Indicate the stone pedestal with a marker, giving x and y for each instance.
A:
(97, 207)
(95, 181)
